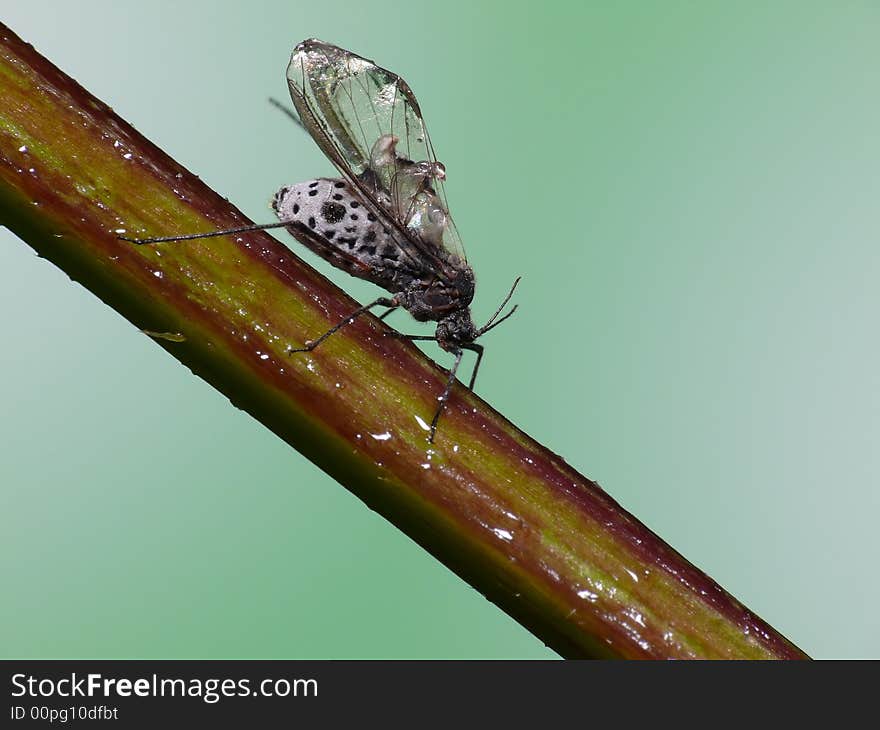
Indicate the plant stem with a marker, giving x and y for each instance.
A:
(547, 545)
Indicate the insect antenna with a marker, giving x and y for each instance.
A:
(491, 324)
(212, 234)
(488, 327)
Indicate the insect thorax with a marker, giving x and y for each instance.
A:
(327, 217)
(432, 298)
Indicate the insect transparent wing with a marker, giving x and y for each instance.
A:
(368, 122)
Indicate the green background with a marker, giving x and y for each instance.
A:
(690, 191)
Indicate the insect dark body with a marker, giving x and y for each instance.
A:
(386, 219)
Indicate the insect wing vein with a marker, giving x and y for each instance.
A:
(341, 99)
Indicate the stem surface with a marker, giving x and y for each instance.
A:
(544, 543)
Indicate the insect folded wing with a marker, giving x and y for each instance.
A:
(368, 122)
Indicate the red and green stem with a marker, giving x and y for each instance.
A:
(543, 542)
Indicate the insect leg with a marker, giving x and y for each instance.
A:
(387, 312)
(289, 112)
(212, 234)
(474, 347)
(384, 301)
(442, 399)
(412, 338)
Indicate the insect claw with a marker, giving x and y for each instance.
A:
(309, 346)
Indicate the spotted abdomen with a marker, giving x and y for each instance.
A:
(332, 221)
